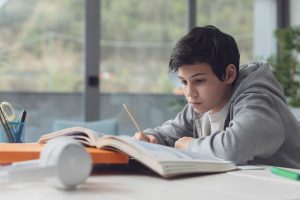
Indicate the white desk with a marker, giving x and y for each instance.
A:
(245, 184)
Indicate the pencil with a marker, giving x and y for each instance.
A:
(133, 120)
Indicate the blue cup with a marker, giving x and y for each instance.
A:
(17, 129)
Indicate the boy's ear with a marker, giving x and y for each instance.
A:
(231, 74)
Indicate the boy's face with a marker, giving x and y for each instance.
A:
(202, 88)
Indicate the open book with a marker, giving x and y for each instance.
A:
(85, 136)
(166, 161)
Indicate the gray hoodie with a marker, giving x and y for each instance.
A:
(259, 129)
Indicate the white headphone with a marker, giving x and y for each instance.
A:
(63, 162)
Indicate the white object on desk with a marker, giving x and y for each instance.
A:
(63, 162)
(250, 167)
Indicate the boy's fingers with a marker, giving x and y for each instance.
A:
(152, 139)
(141, 136)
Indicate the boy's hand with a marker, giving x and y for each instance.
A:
(183, 143)
(146, 138)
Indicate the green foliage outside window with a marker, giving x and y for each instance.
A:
(286, 66)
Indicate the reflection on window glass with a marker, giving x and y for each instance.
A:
(137, 40)
(41, 45)
(232, 17)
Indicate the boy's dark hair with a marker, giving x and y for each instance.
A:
(206, 45)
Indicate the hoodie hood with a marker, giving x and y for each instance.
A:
(254, 78)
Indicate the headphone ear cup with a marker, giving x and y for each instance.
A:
(63, 162)
(73, 165)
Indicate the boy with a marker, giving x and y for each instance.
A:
(234, 114)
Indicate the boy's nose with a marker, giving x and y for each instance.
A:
(191, 92)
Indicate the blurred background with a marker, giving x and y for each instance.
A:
(75, 62)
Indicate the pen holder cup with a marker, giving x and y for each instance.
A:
(13, 133)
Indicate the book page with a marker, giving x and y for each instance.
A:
(166, 161)
(169, 152)
(165, 153)
(84, 135)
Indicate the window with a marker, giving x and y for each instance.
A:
(137, 38)
(41, 60)
(232, 17)
(41, 45)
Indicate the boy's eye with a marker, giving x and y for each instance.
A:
(183, 82)
(200, 81)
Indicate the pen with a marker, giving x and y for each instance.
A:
(21, 126)
(134, 122)
(286, 173)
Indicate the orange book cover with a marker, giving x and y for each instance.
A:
(14, 152)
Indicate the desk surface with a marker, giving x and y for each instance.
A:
(244, 184)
